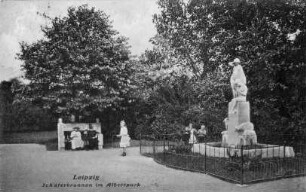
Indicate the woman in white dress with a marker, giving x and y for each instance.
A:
(192, 138)
(125, 138)
(76, 139)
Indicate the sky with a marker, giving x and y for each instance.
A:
(19, 22)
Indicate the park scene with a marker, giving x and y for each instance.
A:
(156, 95)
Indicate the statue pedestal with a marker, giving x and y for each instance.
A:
(263, 151)
(236, 117)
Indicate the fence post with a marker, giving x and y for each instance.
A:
(205, 158)
(164, 152)
(2, 112)
(154, 146)
(284, 149)
(112, 140)
(242, 168)
(140, 143)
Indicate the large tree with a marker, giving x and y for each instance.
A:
(81, 65)
(22, 115)
(175, 96)
(269, 36)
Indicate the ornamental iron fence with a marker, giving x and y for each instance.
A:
(283, 157)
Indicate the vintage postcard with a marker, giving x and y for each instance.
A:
(152, 95)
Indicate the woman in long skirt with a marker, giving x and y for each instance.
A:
(76, 139)
(125, 138)
(193, 139)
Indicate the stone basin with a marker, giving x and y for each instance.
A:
(214, 149)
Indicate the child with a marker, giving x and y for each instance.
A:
(125, 138)
(201, 133)
(192, 138)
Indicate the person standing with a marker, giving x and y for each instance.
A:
(192, 138)
(125, 138)
(186, 134)
(202, 133)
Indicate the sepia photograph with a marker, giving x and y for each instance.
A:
(153, 95)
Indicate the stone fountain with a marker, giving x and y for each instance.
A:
(240, 133)
(239, 129)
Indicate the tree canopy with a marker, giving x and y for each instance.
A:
(268, 36)
(81, 65)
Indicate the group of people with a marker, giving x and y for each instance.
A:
(88, 140)
(195, 135)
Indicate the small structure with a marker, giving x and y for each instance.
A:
(64, 130)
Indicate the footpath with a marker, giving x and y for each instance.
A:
(30, 167)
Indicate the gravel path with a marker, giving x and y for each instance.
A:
(27, 167)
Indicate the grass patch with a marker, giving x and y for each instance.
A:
(29, 137)
(47, 138)
(233, 169)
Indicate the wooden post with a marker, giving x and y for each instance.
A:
(60, 134)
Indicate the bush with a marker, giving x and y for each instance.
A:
(183, 149)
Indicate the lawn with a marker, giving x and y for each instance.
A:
(232, 169)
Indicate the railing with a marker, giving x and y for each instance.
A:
(113, 141)
(242, 164)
